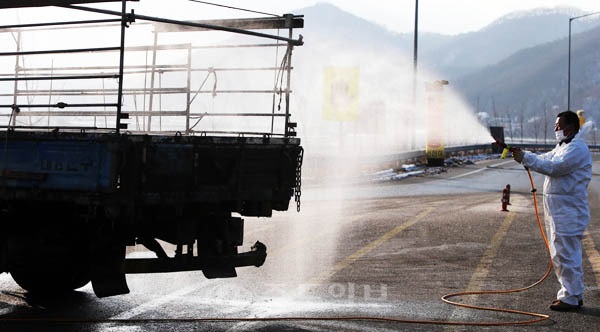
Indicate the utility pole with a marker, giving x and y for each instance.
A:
(414, 92)
(569, 69)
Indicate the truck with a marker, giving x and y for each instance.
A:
(86, 174)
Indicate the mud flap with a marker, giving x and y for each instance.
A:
(110, 285)
(108, 278)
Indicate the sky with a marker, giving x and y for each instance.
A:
(442, 16)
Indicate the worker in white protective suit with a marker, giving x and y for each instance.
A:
(568, 170)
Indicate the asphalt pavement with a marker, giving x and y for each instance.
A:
(386, 250)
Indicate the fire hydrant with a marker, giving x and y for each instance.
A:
(505, 198)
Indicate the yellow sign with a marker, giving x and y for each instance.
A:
(340, 93)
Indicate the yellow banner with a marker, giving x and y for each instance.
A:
(340, 93)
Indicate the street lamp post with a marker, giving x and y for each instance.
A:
(414, 92)
(569, 73)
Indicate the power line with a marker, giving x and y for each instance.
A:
(230, 7)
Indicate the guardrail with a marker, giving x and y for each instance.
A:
(477, 148)
(334, 167)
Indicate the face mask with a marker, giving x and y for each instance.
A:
(560, 135)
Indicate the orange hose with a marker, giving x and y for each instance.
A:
(445, 298)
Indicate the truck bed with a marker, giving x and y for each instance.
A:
(248, 175)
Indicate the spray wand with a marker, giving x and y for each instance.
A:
(505, 147)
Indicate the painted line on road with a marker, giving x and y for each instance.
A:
(368, 248)
(481, 169)
(159, 302)
(244, 326)
(482, 269)
(592, 254)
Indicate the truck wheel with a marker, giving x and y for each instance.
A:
(41, 284)
(43, 267)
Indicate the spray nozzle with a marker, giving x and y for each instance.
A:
(503, 145)
(506, 148)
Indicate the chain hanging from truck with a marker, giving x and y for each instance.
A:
(297, 188)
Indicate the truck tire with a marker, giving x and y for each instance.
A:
(47, 267)
(60, 283)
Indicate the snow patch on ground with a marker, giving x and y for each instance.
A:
(410, 170)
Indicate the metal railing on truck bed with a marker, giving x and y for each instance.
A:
(165, 78)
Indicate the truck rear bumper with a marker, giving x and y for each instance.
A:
(213, 267)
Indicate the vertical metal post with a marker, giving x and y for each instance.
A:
(150, 102)
(16, 85)
(160, 100)
(416, 35)
(569, 70)
(275, 87)
(290, 47)
(121, 63)
(50, 95)
(189, 87)
(414, 92)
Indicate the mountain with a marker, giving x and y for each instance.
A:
(537, 76)
(326, 23)
(451, 56)
(466, 53)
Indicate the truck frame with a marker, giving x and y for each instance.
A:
(74, 197)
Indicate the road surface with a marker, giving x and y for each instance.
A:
(386, 250)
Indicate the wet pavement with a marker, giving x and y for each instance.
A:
(386, 250)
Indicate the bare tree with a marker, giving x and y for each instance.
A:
(545, 122)
(509, 115)
(494, 113)
(535, 124)
(521, 119)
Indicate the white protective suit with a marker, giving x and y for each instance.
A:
(568, 170)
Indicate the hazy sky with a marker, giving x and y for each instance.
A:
(449, 16)
(442, 16)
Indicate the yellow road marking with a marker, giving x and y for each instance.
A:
(483, 268)
(592, 254)
(369, 247)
